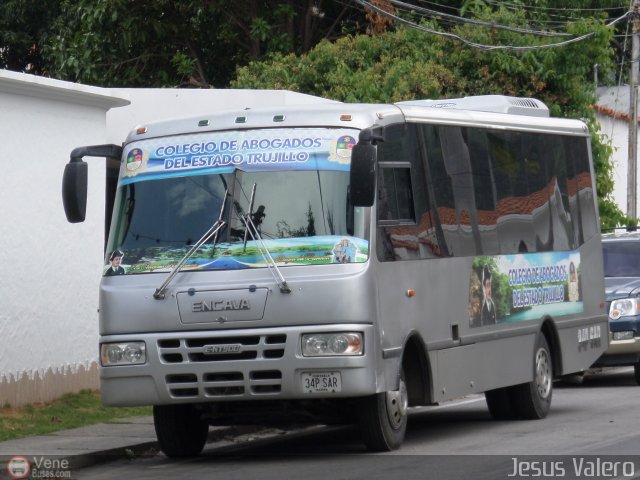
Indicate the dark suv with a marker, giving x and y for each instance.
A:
(622, 288)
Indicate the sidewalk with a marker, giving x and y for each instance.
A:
(85, 446)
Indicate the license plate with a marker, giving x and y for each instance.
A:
(321, 382)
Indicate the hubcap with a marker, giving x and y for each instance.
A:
(397, 403)
(543, 373)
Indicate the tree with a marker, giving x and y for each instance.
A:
(311, 223)
(24, 28)
(159, 43)
(405, 64)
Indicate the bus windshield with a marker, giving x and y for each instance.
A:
(296, 196)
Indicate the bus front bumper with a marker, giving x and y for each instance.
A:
(267, 365)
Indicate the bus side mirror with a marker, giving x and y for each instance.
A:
(362, 178)
(75, 179)
(74, 191)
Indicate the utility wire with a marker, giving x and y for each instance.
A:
(470, 21)
(448, 7)
(568, 9)
(548, 11)
(480, 46)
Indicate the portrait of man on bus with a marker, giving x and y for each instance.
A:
(115, 268)
(482, 304)
(488, 315)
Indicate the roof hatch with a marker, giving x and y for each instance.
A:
(487, 103)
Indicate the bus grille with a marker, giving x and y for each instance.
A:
(218, 349)
(224, 384)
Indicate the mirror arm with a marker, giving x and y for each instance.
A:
(372, 136)
(109, 150)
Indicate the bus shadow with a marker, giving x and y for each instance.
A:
(424, 425)
(601, 378)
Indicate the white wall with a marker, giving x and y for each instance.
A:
(49, 268)
(151, 104)
(618, 132)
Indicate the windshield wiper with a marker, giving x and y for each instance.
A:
(251, 228)
(213, 230)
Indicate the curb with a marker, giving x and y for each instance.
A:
(150, 449)
(128, 451)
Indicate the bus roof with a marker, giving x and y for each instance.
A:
(481, 111)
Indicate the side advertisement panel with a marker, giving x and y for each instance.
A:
(513, 288)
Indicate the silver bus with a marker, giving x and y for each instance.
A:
(342, 263)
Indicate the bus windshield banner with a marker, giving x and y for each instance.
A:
(512, 288)
(247, 150)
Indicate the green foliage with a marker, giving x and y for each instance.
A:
(70, 411)
(389, 67)
(407, 63)
(162, 43)
(124, 43)
(24, 26)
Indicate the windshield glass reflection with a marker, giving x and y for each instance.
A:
(303, 216)
(621, 259)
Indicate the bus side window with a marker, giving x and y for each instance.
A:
(395, 208)
(581, 196)
(405, 227)
(395, 195)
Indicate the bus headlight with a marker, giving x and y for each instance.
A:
(130, 353)
(327, 344)
(625, 307)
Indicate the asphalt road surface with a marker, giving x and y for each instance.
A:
(592, 431)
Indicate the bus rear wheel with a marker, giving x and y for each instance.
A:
(180, 430)
(500, 403)
(382, 418)
(532, 400)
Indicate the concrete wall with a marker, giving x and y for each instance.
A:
(49, 269)
(150, 104)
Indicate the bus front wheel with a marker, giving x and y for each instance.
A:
(382, 418)
(180, 430)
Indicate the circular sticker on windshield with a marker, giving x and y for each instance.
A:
(344, 145)
(134, 159)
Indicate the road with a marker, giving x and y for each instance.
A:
(587, 425)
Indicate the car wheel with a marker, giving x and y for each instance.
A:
(532, 400)
(636, 371)
(180, 430)
(383, 418)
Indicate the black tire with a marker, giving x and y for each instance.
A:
(532, 400)
(636, 371)
(180, 430)
(382, 418)
(500, 403)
